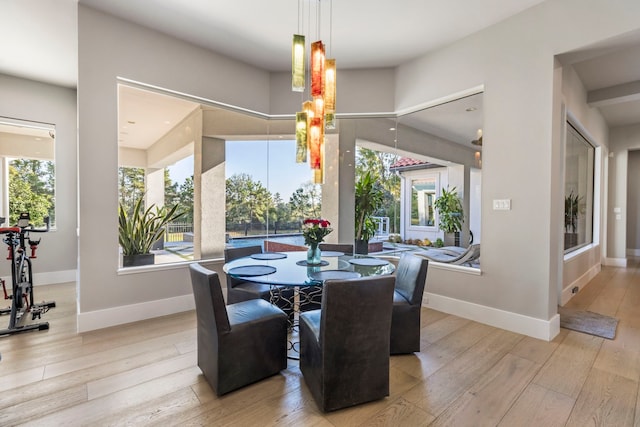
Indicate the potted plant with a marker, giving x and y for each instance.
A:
(571, 220)
(450, 215)
(368, 199)
(139, 229)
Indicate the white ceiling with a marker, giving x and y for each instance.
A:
(610, 72)
(144, 117)
(38, 38)
(259, 32)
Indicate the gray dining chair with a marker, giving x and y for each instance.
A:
(237, 344)
(344, 346)
(411, 275)
(347, 248)
(239, 290)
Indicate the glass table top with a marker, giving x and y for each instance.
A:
(288, 271)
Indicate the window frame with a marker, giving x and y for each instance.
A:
(591, 187)
(421, 176)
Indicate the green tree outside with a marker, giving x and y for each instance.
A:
(131, 186)
(31, 189)
(379, 163)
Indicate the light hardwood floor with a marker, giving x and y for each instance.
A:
(467, 374)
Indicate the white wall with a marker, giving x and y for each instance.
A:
(40, 102)
(514, 61)
(582, 265)
(110, 48)
(633, 204)
(623, 141)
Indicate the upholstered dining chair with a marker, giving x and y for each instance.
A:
(344, 346)
(411, 275)
(239, 290)
(347, 248)
(238, 344)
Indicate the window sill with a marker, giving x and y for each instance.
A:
(122, 271)
(570, 255)
(457, 268)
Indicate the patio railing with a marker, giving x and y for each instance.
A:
(175, 232)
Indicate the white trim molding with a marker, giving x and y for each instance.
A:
(580, 283)
(633, 252)
(514, 322)
(99, 319)
(615, 262)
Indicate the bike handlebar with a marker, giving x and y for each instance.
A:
(7, 230)
(26, 229)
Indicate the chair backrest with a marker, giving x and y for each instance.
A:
(234, 253)
(356, 314)
(411, 276)
(211, 310)
(347, 248)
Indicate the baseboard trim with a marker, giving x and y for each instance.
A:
(580, 282)
(633, 252)
(530, 326)
(98, 319)
(615, 262)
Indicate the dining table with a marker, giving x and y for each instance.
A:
(282, 270)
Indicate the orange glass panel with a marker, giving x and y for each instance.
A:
(317, 69)
(315, 142)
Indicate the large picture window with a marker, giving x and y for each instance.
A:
(27, 150)
(578, 191)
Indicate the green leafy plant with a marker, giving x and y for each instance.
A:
(141, 228)
(439, 243)
(368, 199)
(450, 212)
(571, 212)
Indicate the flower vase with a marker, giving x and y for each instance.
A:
(314, 255)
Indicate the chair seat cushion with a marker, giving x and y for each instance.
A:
(251, 311)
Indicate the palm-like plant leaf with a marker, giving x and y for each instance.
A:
(138, 230)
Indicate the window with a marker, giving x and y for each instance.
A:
(268, 194)
(27, 149)
(423, 194)
(380, 165)
(578, 191)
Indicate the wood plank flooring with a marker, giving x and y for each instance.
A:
(467, 374)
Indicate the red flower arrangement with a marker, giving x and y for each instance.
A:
(314, 230)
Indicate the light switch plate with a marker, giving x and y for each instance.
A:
(502, 204)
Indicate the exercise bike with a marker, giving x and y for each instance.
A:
(22, 304)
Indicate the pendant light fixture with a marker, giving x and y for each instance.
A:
(297, 63)
(319, 113)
